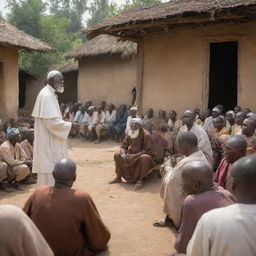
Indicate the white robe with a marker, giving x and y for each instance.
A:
(172, 187)
(51, 133)
(228, 231)
(203, 140)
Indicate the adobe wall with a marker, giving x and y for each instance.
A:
(70, 83)
(176, 66)
(109, 78)
(9, 84)
(33, 87)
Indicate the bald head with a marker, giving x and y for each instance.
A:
(64, 172)
(243, 173)
(189, 117)
(197, 177)
(249, 126)
(234, 148)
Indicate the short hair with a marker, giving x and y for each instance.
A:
(188, 138)
(252, 120)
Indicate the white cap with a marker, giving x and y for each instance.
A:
(137, 120)
(53, 73)
(134, 109)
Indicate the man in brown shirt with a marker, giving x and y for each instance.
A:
(67, 218)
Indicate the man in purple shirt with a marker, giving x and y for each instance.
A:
(203, 196)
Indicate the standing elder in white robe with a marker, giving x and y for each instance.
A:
(51, 131)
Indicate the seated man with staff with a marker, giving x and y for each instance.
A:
(136, 157)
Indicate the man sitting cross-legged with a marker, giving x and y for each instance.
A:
(136, 157)
(15, 157)
(230, 231)
(197, 178)
(172, 183)
(67, 218)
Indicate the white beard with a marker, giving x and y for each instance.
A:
(133, 134)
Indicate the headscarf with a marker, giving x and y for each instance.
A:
(12, 132)
(216, 109)
(232, 113)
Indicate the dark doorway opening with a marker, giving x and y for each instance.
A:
(223, 75)
(22, 88)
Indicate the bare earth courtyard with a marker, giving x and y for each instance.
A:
(128, 214)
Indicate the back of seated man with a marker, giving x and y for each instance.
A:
(230, 230)
(19, 235)
(203, 196)
(14, 156)
(67, 218)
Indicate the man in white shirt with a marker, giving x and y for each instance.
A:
(230, 230)
(99, 118)
(204, 144)
(110, 116)
(51, 131)
(133, 114)
(208, 123)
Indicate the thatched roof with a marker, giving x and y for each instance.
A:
(105, 45)
(70, 67)
(175, 11)
(11, 36)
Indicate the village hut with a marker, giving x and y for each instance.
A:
(191, 53)
(70, 74)
(11, 40)
(107, 70)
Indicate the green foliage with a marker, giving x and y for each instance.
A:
(26, 15)
(135, 3)
(55, 29)
(100, 10)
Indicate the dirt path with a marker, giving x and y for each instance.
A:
(128, 214)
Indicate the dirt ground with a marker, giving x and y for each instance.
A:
(127, 213)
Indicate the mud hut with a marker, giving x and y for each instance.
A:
(191, 53)
(107, 70)
(11, 40)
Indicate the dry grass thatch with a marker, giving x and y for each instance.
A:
(104, 45)
(162, 11)
(70, 67)
(11, 36)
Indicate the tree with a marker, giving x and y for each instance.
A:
(26, 15)
(135, 3)
(55, 29)
(100, 10)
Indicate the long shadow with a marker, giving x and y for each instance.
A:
(5, 195)
(147, 188)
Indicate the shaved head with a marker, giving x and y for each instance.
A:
(243, 173)
(234, 148)
(64, 172)
(197, 176)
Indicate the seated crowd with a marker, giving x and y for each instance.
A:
(207, 163)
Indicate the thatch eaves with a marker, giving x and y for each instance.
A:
(173, 12)
(69, 67)
(11, 36)
(105, 45)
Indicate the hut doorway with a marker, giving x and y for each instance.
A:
(223, 74)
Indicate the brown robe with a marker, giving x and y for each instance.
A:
(137, 168)
(68, 220)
